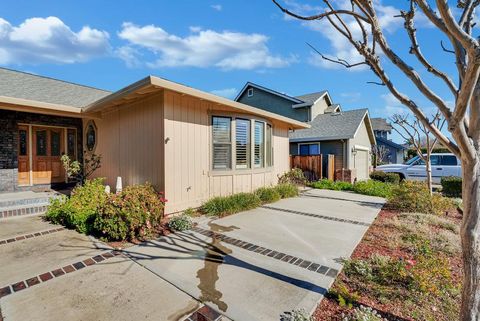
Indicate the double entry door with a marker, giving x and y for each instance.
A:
(42, 157)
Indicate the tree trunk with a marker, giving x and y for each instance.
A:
(429, 175)
(470, 235)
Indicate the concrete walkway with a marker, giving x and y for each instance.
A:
(267, 261)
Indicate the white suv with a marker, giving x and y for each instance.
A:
(443, 164)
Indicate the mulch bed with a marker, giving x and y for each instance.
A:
(376, 241)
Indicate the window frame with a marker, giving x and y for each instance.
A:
(250, 92)
(308, 144)
(95, 129)
(251, 169)
(232, 132)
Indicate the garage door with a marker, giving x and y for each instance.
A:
(361, 164)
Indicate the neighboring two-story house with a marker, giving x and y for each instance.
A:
(346, 134)
(395, 153)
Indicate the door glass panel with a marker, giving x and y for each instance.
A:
(71, 142)
(22, 150)
(41, 137)
(55, 143)
(91, 137)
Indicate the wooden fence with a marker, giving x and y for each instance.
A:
(312, 165)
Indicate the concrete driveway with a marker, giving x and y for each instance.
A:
(259, 264)
(254, 265)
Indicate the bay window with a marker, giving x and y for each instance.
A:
(241, 143)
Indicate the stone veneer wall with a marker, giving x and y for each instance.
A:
(9, 141)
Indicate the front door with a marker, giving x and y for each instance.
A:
(48, 148)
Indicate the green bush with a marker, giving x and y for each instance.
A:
(328, 184)
(393, 178)
(134, 213)
(294, 176)
(268, 194)
(378, 176)
(451, 186)
(287, 190)
(373, 188)
(412, 196)
(78, 211)
(180, 223)
(226, 205)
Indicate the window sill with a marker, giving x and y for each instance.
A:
(248, 171)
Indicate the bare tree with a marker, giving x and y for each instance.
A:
(463, 119)
(380, 153)
(418, 135)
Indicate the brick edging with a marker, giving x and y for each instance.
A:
(324, 217)
(204, 313)
(30, 235)
(290, 259)
(23, 211)
(44, 277)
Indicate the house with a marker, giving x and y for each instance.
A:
(348, 135)
(395, 153)
(191, 144)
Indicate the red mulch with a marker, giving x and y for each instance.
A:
(375, 241)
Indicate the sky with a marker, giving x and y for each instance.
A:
(215, 46)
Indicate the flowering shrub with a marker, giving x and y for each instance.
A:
(180, 223)
(134, 213)
(294, 176)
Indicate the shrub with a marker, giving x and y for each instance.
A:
(296, 315)
(378, 176)
(180, 223)
(373, 188)
(287, 190)
(392, 178)
(189, 212)
(411, 196)
(268, 194)
(451, 186)
(363, 313)
(345, 297)
(134, 213)
(294, 176)
(79, 210)
(328, 184)
(225, 205)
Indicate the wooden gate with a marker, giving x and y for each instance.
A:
(331, 167)
(310, 165)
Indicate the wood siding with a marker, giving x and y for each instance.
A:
(130, 140)
(189, 180)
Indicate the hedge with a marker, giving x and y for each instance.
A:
(451, 186)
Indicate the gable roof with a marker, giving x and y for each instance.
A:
(26, 86)
(285, 96)
(333, 126)
(381, 124)
(313, 97)
(390, 143)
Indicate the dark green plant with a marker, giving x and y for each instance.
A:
(268, 194)
(332, 185)
(294, 176)
(378, 176)
(451, 186)
(287, 190)
(226, 205)
(180, 223)
(79, 210)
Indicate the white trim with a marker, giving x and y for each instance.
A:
(360, 147)
(312, 143)
(250, 92)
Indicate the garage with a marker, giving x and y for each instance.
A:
(361, 162)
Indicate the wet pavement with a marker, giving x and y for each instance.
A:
(260, 264)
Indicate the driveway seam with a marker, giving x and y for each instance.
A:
(324, 217)
(290, 259)
(30, 235)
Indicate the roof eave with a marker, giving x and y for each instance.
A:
(21, 104)
(318, 139)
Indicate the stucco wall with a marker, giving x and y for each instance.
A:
(318, 108)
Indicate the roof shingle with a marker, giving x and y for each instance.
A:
(331, 126)
(23, 85)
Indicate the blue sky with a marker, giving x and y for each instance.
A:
(214, 46)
